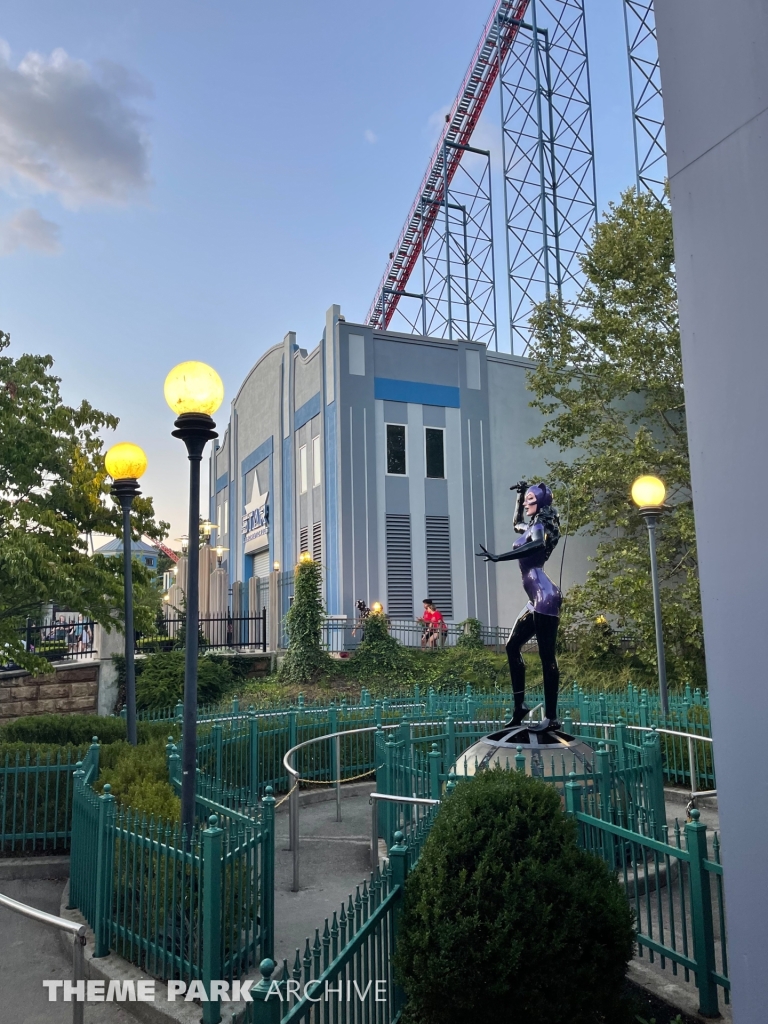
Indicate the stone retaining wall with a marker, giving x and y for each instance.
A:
(68, 689)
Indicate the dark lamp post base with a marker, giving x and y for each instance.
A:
(195, 429)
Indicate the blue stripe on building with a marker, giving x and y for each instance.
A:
(416, 392)
(307, 412)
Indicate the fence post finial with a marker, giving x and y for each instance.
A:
(267, 1003)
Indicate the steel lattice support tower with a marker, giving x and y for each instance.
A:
(449, 228)
(548, 157)
(645, 91)
(537, 51)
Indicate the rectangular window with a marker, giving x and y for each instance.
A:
(473, 369)
(396, 449)
(439, 581)
(357, 355)
(316, 461)
(218, 519)
(434, 439)
(225, 524)
(399, 567)
(303, 469)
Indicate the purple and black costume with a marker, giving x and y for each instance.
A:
(540, 617)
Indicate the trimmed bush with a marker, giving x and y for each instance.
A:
(139, 778)
(161, 681)
(305, 659)
(63, 730)
(505, 918)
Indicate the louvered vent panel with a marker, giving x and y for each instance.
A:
(439, 564)
(399, 567)
(317, 542)
(303, 539)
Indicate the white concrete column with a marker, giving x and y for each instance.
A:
(107, 644)
(714, 70)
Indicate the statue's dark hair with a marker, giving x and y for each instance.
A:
(550, 520)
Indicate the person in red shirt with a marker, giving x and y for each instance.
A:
(434, 624)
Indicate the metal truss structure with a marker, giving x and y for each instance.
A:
(548, 156)
(537, 51)
(645, 90)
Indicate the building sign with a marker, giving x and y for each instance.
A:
(256, 519)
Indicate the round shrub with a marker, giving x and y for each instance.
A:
(505, 918)
(471, 636)
(161, 682)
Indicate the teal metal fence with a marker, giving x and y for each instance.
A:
(244, 749)
(345, 975)
(675, 888)
(36, 801)
(196, 909)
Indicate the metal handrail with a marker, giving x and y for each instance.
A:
(373, 797)
(293, 773)
(690, 736)
(78, 930)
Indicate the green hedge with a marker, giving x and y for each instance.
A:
(506, 918)
(73, 730)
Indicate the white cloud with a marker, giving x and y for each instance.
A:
(28, 229)
(370, 136)
(71, 129)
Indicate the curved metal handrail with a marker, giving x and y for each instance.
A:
(78, 930)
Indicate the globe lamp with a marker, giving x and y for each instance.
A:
(648, 492)
(125, 461)
(193, 387)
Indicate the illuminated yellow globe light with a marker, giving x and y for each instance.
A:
(376, 607)
(305, 557)
(193, 387)
(648, 492)
(125, 461)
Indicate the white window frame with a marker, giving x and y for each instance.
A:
(317, 457)
(225, 516)
(303, 469)
(386, 457)
(427, 427)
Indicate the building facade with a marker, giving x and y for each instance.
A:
(388, 457)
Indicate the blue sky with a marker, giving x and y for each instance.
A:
(192, 180)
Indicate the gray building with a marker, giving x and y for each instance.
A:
(389, 458)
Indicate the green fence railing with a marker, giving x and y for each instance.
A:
(36, 801)
(196, 909)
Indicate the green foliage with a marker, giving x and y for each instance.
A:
(160, 680)
(609, 379)
(75, 730)
(506, 918)
(52, 497)
(379, 654)
(139, 777)
(305, 659)
(471, 638)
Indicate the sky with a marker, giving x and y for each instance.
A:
(193, 180)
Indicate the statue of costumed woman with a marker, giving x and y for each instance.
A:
(541, 616)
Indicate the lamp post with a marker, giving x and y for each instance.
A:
(648, 493)
(125, 463)
(194, 391)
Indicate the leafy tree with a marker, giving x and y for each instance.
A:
(53, 495)
(609, 378)
(305, 659)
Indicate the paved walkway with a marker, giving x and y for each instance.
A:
(31, 952)
(334, 859)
